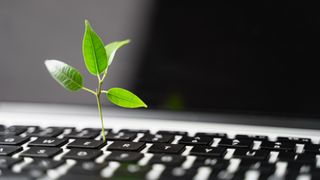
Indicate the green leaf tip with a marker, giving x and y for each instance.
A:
(86, 22)
(94, 54)
(124, 98)
(112, 48)
(67, 76)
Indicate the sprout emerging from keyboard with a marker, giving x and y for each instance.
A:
(97, 58)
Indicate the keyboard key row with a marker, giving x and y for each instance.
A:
(162, 153)
(166, 148)
(130, 134)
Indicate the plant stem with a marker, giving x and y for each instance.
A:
(101, 117)
(104, 74)
(98, 93)
(89, 90)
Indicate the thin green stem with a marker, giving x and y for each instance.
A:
(98, 93)
(89, 90)
(99, 84)
(101, 118)
(104, 74)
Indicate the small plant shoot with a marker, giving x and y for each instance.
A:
(97, 58)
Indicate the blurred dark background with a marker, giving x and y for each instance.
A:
(237, 56)
(230, 56)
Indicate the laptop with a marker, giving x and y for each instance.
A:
(231, 88)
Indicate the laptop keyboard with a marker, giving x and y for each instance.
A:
(67, 153)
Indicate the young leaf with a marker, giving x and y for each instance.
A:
(112, 48)
(69, 77)
(124, 98)
(94, 54)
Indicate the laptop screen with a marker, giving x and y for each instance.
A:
(248, 57)
(260, 56)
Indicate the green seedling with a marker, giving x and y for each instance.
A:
(97, 58)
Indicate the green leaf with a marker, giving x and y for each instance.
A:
(69, 77)
(94, 54)
(112, 48)
(124, 98)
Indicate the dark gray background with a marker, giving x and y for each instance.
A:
(34, 30)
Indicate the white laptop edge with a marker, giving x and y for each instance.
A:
(86, 116)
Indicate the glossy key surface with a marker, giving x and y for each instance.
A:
(167, 148)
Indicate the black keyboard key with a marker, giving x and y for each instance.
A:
(126, 146)
(7, 162)
(87, 133)
(197, 140)
(235, 143)
(251, 154)
(254, 137)
(86, 143)
(312, 148)
(214, 163)
(212, 135)
(266, 168)
(14, 130)
(13, 140)
(208, 151)
(306, 158)
(9, 150)
(47, 132)
(44, 164)
(167, 159)
(87, 168)
(48, 142)
(278, 146)
(121, 136)
(41, 152)
(248, 163)
(178, 173)
(144, 131)
(167, 148)
(157, 138)
(82, 154)
(131, 171)
(295, 140)
(126, 157)
(286, 156)
(242, 136)
(180, 133)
